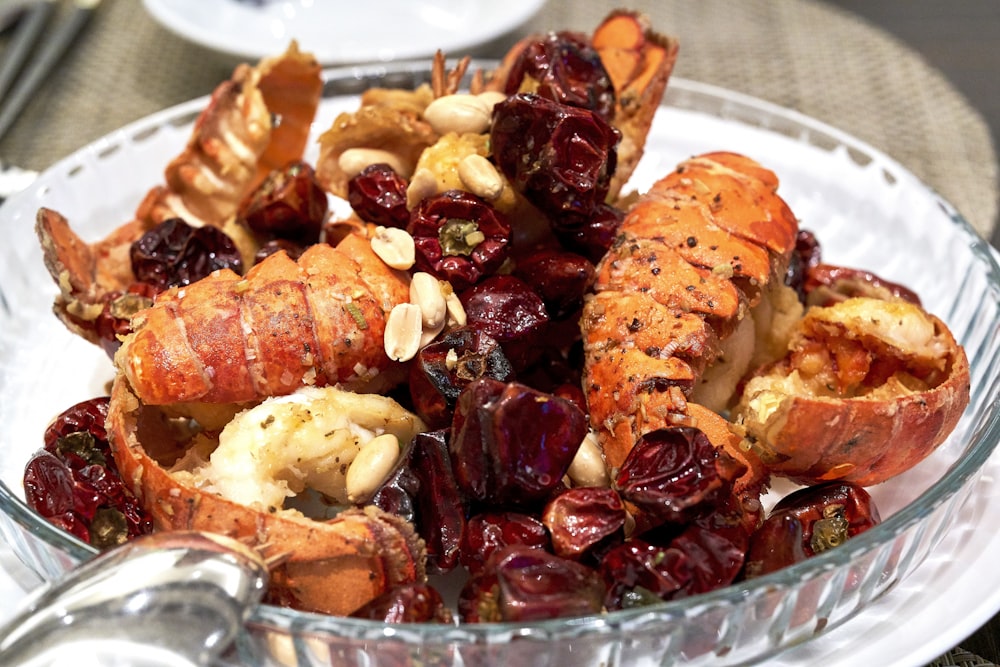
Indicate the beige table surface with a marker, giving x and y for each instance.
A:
(799, 54)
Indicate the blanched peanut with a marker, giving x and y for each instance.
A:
(425, 291)
(491, 98)
(373, 463)
(354, 160)
(480, 177)
(456, 311)
(588, 467)
(422, 185)
(458, 113)
(403, 330)
(395, 247)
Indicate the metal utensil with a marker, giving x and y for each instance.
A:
(29, 29)
(173, 598)
(53, 48)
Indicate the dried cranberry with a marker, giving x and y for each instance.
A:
(291, 248)
(175, 253)
(716, 546)
(87, 416)
(439, 503)
(638, 573)
(288, 204)
(559, 277)
(672, 476)
(407, 603)
(566, 69)
(459, 237)
(809, 521)
(446, 366)
(488, 532)
(506, 308)
(594, 236)
(521, 583)
(378, 195)
(578, 519)
(561, 157)
(73, 481)
(511, 444)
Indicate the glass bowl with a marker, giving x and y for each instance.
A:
(867, 211)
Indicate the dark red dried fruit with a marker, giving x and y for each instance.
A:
(565, 68)
(671, 475)
(510, 444)
(378, 195)
(445, 367)
(439, 503)
(174, 253)
(521, 583)
(507, 309)
(595, 235)
(637, 573)
(73, 481)
(578, 519)
(809, 521)
(716, 546)
(408, 603)
(561, 157)
(459, 237)
(559, 277)
(826, 285)
(288, 204)
(291, 248)
(488, 532)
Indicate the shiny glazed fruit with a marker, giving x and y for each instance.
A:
(174, 253)
(560, 157)
(409, 603)
(439, 502)
(459, 237)
(671, 476)
(445, 367)
(579, 519)
(559, 277)
(510, 311)
(566, 69)
(807, 522)
(74, 484)
(288, 204)
(378, 195)
(489, 532)
(510, 444)
(521, 583)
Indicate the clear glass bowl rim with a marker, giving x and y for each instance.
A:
(353, 79)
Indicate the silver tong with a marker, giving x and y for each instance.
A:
(172, 598)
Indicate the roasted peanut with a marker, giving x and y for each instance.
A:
(354, 160)
(480, 177)
(394, 247)
(372, 464)
(458, 113)
(403, 330)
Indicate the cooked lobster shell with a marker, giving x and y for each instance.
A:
(333, 566)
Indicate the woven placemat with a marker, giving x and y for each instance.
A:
(799, 54)
(804, 55)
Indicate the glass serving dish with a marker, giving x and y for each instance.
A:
(867, 211)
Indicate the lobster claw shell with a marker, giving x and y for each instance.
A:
(868, 389)
(333, 566)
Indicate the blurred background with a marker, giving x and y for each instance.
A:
(958, 38)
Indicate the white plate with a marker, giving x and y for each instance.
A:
(947, 597)
(340, 32)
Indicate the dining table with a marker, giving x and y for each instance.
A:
(804, 55)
